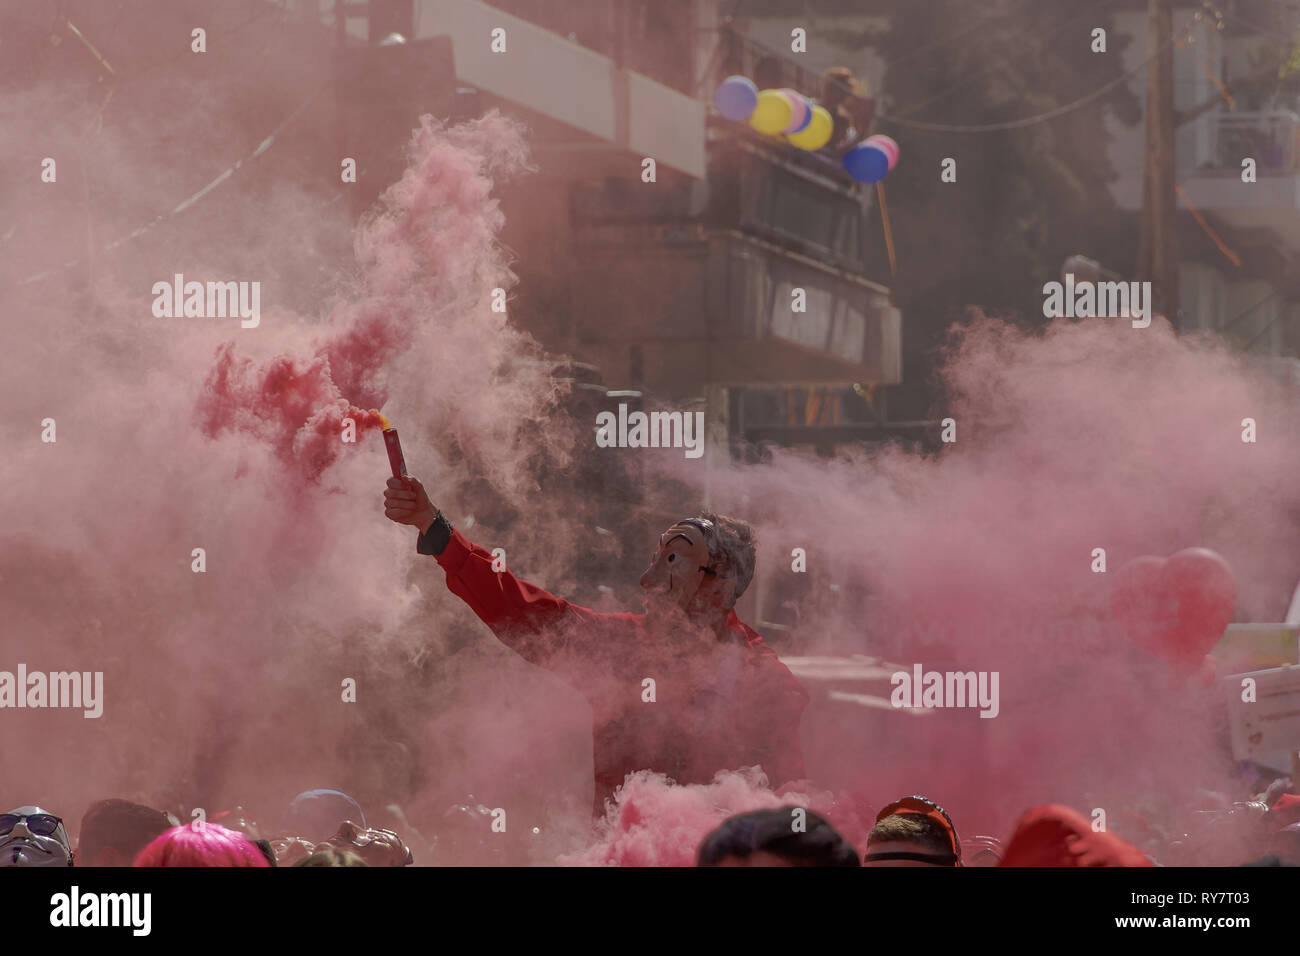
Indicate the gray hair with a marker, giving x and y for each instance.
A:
(731, 549)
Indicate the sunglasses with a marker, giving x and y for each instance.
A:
(926, 808)
(41, 824)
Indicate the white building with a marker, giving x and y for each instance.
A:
(1255, 304)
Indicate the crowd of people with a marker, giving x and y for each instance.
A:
(323, 827)
(329, 828)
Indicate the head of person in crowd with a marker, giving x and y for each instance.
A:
(329, 855)
(981, 851)
(315, 815)
(1055, 835)
(201, 844)
(913, 831)
(113, 832)
(377, 847)
(32, 836)
(787, 836)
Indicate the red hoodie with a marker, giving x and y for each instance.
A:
(720, 707)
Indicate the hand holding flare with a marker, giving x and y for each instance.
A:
(405, 500)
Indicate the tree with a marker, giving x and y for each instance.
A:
(1024, 199)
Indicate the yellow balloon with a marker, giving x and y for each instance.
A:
(773, 112)
(817, 133)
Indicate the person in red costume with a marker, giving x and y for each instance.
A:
(685, 689)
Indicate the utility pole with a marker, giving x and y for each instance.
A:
(1157, 242)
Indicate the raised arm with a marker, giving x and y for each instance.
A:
(530, 620)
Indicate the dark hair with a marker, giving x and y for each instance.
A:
(332, 856)
(118, 825)
(911, 828)
(772, 831)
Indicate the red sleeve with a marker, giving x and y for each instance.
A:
(531, 621)
(781, 701)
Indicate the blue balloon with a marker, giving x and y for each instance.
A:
(737, 96)
(807, 116)
(867, 163)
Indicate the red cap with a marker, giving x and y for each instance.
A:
(1055, 835)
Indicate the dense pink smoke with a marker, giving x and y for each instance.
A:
(653, 822)
(427, 255)
(225, 686)
(1080, 436)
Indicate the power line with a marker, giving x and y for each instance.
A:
(267, 142)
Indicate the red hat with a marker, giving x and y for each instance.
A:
(1055, 835)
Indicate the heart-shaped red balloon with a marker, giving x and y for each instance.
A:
(1175, 608)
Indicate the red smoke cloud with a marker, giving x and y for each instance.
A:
(222, 687)
(293, 405)
(653, 822)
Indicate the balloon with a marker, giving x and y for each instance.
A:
(773, 113)
(1207, 673)
(887, 144)
(1141, 607)
(808, 114)
(818, 132)
(867, 163)
(736, 97)
(1176, 609)
(799, 111)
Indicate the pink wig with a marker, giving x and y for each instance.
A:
(201, 844)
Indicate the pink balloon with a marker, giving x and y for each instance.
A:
(799, 107)
(1207, 673)
(887, 145)
(891, 148)
(1175, 608)
(1140, 605)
